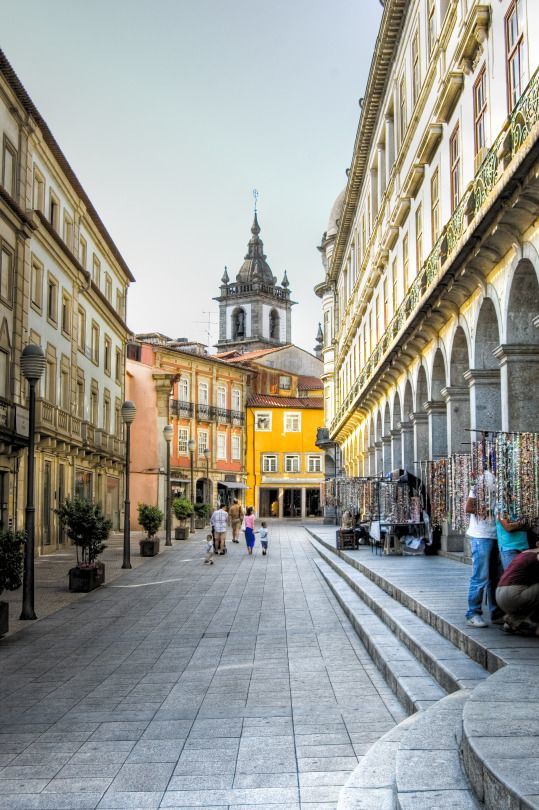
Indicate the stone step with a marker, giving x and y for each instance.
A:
(451, 668)
(406, 676)
(429, 773)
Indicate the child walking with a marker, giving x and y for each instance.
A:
(208, 559)
(264, 537)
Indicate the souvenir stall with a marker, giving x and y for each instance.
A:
(398, 525)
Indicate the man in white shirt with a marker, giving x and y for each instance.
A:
(219, 522)
(482, 534)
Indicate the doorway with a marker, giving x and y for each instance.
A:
(313, 502)
(267, 498)
(292, 503)
(47, 505)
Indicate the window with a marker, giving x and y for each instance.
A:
(517, 74)
(81, 336)
(54, 210)
(183, 441)
(431, 26)
(52, 300)
(66, 314)
(394, 280)
(118, 371)
(403, 115)
(68, 231)
(95, 343)
(108, 288)
(4, 372)
(269, 463)
(96, 271)
(480, 111)
(6, 273)
(263, 421)
(292, 422)
(221, 445)
(418, 238)
(202, 441)
(285, 383)
(236, 447)
(314, 464)
(107, 355)
(435, 206)
(416, 69)
(37, 283)
(221, 396)
(50, 381)
(65, 393)
(9, 168)
(203, 397)
(120, 303)
(106, 412)
(405, 264)
(83, 251)
(291, 464)
(94, 405)
(80, 398)
(39, 191)
(183, 389)
(385, 288)
(454, 167)
(236, 399)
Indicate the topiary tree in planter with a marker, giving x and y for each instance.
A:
(150, 518)
(88, 528)
(183, 509)
(202, 513)
(11, 563)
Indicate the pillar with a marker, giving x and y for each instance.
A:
(381, 172)
(407, 446)
(379, 457)
(519, 378)
(281, 501)
(303, 502)
(457, 399)
(386, 453)
(372, 460)
(437, 428)
(374, 195)
(390, 145)
(396, 449)
(485, 398)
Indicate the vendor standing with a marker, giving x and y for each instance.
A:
(482, 534)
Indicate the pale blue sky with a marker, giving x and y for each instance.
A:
(172, 111)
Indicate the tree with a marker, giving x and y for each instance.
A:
(150, 518)
(87, 526)
(11, 559)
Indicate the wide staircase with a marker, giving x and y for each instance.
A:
(472, 736)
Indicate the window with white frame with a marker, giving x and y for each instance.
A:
(183, 440)
(6, 273)
(291, 463)
(270, 463)
(236, 399)
(263, 421)
(236, 447)
(221, 396)
(203, 390)
(37, 283)
(183, 389)
(4, 374)
(221, 445)
(285, 382)
(202, 441)
(292, 423)
(314, 464)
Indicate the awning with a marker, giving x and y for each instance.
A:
(232, 484)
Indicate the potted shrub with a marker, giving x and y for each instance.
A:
(150, 518)
(11, 559)
(88, 528)
(183, 509)
(202, 513)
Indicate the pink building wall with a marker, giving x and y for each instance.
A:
(145, 479)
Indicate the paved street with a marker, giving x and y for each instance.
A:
(236, 685)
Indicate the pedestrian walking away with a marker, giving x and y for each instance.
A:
(235, 513)
(250, 529)
(264, 537)
(208, 544)
(219, 522)
(482, 534)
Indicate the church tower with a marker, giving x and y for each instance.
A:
(254, 311)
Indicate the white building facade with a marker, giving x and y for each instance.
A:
(431, 295)
(66, 291)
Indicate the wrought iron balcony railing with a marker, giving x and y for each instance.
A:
(206, 413)
(500, 155)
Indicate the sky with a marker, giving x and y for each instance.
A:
(172, 111)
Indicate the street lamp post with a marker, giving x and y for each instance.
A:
(207, 457)
(128, 414)
(167, 433)
(192, 446)
(32, 366)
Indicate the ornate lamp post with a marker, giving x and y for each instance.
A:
(192, 445)
(207, 457)
(32, 366)
(168, 431)
(128, 414)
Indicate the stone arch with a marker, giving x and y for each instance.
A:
(437, 408)
(396, 447)
(239, 323)
(420, 419)
(379, 447)
(386, 438)
(460, 357)
(421, 389)
(458, 394)
(407, 432)
(274, 325)
(484, 378)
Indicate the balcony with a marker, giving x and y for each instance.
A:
(206, 413)
(181, 409)
(480, 193)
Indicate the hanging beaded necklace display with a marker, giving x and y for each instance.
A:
(459, 482)
(517, 458)
(437, 490)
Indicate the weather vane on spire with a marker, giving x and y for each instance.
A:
(255, 197)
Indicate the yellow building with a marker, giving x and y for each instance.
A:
(284, 466)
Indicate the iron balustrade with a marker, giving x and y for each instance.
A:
(206, 413)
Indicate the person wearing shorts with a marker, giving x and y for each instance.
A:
(235, 513)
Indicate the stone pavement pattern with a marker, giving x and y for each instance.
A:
(238, 685)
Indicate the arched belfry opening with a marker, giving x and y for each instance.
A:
(274, 325)
(239, 330)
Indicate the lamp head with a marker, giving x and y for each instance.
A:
(191, 445)
(33, 362)
(168, 432)
(206, 453)
(129, 411)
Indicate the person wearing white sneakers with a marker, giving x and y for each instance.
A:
(482, 534)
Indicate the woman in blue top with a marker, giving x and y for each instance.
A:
(512, 537)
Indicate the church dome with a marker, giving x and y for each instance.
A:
(255, 266)
(335, 215)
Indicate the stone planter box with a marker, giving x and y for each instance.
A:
(4, 618)
(181, 533)
(149, 547)
(84, 580)
(200, 522)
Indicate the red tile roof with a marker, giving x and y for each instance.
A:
(307, 383)
(271, 401)
(239, 357)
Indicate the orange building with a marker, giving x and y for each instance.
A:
(203, 398)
